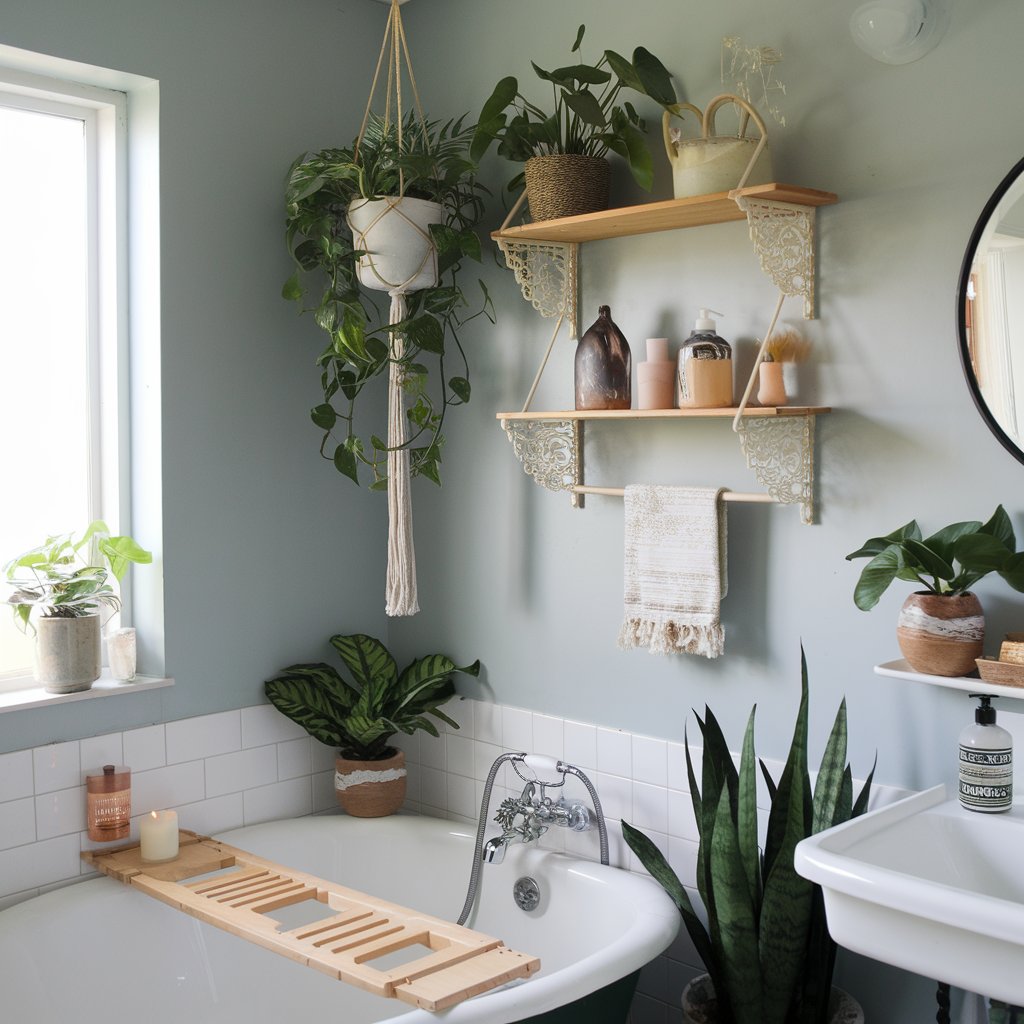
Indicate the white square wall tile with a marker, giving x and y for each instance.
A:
(487, 722)
(614, 752)
(264, 724)
(677, 777)
(60, 812)
(548, 736)
(17, 822)
(57, 766)
(290, 799)
(161, 788)
(460, 711)
(461, 796)
(433, 751)
(616, 795)
(433, 788)
(294, 758)
(581, 745)
(28, 867)
(241, 770)
(517, 730)
(96, 751)
(16, 775)
(650, 760)
(460, 756)
(323, 791)
(208, 817)
(323, 756)
(145, 748)
(206, 736)
(650, 807)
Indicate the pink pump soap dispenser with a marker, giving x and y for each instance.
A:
(656, 378)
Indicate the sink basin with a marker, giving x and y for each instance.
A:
(930, 887)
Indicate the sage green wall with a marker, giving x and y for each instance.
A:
(265, 550)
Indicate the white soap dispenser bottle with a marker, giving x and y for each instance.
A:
(986, 761)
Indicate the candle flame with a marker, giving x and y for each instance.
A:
(153, 814)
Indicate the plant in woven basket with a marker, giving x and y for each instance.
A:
(418, 159)
(766, 943)
(358, 716)
(587, 116)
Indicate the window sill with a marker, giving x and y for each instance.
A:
(37, 697)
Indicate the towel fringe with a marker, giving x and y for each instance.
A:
(671, 637)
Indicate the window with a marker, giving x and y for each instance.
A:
(65, 278)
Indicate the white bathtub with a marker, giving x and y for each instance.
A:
(100, 952)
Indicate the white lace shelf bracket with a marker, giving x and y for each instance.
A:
(551, 451)
(546, 273)
(780, 451)
(783, 237)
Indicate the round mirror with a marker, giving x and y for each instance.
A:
(990, 313)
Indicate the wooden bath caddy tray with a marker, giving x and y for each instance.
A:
(459, 963)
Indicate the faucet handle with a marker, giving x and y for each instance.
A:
(575, 815)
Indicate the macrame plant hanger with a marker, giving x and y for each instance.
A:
(401, 596)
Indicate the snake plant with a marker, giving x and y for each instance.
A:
(359, 716)
(766, 944)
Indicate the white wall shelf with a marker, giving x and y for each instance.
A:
(899, 669)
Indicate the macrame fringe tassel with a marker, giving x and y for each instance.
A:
(673, 637)
(400, 594)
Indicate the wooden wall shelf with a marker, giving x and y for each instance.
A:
(668, 215)
(666, 414)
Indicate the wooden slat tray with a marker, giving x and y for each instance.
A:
(457, 962)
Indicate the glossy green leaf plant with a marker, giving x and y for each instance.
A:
(359, 716)
(949, 562)
(765, 944)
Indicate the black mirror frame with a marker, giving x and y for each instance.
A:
(961, 305)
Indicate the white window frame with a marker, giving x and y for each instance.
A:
(122, 158)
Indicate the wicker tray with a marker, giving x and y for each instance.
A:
(1003, 673)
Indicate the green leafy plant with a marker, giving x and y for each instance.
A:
(586, 116)
(766, 944)
(359, 716)
(69, 578)
(949, 562)
(426, 160)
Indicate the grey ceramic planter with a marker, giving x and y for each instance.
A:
(67, 653)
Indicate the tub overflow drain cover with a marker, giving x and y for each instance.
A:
(526, 893)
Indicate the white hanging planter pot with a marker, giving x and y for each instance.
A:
(399, 254)
(67, 653)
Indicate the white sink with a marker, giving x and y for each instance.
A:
(928, 886)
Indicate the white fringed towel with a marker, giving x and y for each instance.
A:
(675, 570)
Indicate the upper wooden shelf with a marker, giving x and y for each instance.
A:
(668, 215)
(665, 414)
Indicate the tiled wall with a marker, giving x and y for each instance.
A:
(219, 771)
(241, 767)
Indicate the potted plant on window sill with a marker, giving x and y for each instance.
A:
(563, 148)
(59, 589)
(359, 717)
(941, 628)
(413, 181)
(766, 944)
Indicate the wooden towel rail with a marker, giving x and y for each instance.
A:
(457, 962)
(619, 492)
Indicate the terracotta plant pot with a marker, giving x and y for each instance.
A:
(566, 185)
(701, 1007)
(370, 789)
(67, 653)
(941, 635)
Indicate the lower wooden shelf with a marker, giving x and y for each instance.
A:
(778, 443)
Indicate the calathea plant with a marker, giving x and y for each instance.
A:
(359, 716)
(766, 943)
(419, 160)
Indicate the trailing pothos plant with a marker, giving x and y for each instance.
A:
(427, 160)
(586, 115)
(766, 943)
(359, 716)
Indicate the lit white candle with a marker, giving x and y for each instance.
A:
(158, 835)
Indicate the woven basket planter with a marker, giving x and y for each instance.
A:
(370, 789)
(566, 185)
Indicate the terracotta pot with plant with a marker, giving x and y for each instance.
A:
(563, 147)
(941, 628)
(766, 944)
(360, 716)
(60, 588)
